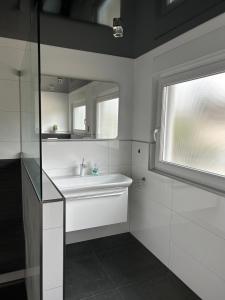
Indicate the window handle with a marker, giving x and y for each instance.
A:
(155, 133)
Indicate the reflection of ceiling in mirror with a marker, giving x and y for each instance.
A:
(60, 84)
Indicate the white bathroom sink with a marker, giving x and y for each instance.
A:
(76, 184)
(94, 201)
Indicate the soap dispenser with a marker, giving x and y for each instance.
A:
(94, 171)
(82, 168)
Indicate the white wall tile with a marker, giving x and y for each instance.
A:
(11, 54)
(155, 187)
(119, 152)
(52, 258)
(9, 95)
(199, 243)
(140, 154)
(12, 43)
(53, 215)
(122, 169)
(53, 294)
(120, 157)
(9, 126)
(9, 150)
(10, 62)
(150, 221)
(202, 281)
(153, 231)
(73, 153)
(109, 156)
(60, 172)
(143, 104)
(204, 208)
(160, 189)
(187, 198)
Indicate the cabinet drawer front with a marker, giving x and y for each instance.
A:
(96, 211)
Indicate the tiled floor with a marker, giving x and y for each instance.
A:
(12, 250)
(119, 268)
(11, 247)
(13, 291)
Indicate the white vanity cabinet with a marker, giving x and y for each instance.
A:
(96, 210)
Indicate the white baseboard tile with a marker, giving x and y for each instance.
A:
(94, 233)
(53, 294)
(52, 258)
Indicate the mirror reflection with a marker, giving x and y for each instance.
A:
(79, 108)
(93, 11)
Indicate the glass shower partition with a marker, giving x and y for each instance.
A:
(31, 154)
(31, 104)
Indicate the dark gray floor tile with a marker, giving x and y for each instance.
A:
(85, 277)
(77, 250)
(167, 288)
(12, 248)
(13, 291)
(110, 295)
(131, 264)
(114, 241)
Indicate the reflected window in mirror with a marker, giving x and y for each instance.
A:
(79, 118)
(107, 118)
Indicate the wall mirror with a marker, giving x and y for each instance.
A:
(91, 11)
(75, 108)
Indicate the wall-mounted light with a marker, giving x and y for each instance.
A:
(117, 28)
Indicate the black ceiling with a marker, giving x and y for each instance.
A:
(157, 24)
(147, 24)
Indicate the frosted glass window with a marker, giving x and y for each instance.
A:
(79, 117)
(107, 119)
(193, 124)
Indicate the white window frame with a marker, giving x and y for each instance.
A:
(207, 180)
(104, 98)
(74, 105)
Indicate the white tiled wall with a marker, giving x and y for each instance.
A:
(53, 244)
(65, 157)
(11, 54)
(184, 226)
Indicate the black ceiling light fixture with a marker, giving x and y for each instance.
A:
(117, 28)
